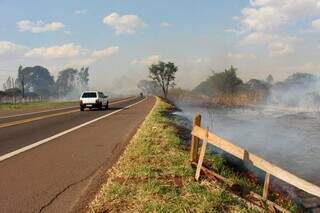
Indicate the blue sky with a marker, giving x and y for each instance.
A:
(119, 39)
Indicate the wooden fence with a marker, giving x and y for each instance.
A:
(199, 133)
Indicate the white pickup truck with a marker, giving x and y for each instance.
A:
(93, 99)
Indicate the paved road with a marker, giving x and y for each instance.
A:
(64, 173)
(49, 123)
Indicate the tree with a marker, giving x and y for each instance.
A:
(269, 79)
(257, 85)
(9, 83)
(21, 83)
(66, 81)
(225, 82)
(84, 76)
(164, 75)
(72, 82)
(36, 79)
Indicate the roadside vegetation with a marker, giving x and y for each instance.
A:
(154, 174)
(227, 89)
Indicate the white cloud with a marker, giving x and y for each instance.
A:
(280, 49)
(81, 12)
(126, 24)
(261, 19)
(256, 38)
(306, 67)
(147, 61)
(73, 53)
(94, 56)
(105, 52)
(269, 15)
(277, 45)
(7, 47)
(78, 62)
(67, 32)
(238, 56)
(166, 24)
(316, 24)
(314, 27)
(65, 50)
(200, 60)
(264, 22)
(233, 30)
(38, 26)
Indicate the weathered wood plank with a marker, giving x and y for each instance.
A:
(255, 195)
(194, 139)
(210, 172)
(202, 153)
(266, 186)
(257, 161)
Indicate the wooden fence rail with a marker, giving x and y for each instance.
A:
(199, 133)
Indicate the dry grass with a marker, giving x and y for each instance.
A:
(154, 175)
(239, 99)
(37, 105)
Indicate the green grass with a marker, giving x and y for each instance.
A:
(247, 181)
(37, 104)
(154, 175)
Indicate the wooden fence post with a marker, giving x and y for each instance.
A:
(202, 153)
(266, 186)
(194, 139)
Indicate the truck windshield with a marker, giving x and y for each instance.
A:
(89, 95)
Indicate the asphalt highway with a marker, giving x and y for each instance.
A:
(55, 161)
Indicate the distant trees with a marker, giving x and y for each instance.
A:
(299, 89)
(72, 81)
(225, 82)
(269, 79)
(37, 83)
(65, 81)
(36, 79)
(11, 92)
(9, 83)
(164, 75)
(84, 76)
(148, 87)
(227, 88)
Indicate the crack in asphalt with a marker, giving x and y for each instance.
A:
(70, 185)
(81, 180)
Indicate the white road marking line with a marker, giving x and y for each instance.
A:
(31, 146)
(51, 110)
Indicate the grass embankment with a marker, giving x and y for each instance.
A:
(37, 105)
(154, 175)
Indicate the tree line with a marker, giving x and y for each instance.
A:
(38, 83)
(226, 88)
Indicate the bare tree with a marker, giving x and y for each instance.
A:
(9, 83)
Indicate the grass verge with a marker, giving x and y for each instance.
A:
(154, 175)
(37, 104)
